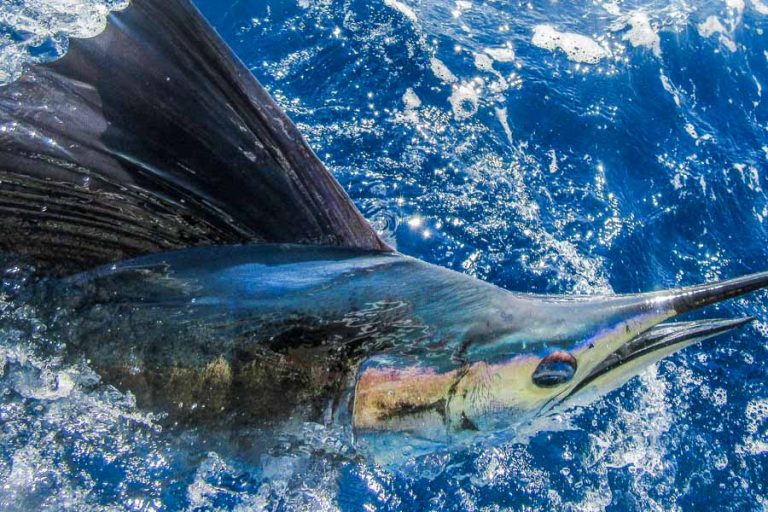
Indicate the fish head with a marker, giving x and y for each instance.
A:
(559, 353)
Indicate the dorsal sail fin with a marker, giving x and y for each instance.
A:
(152, 136)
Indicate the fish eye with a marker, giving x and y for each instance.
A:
(555, 369)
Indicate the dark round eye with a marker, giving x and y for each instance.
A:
(555, 369)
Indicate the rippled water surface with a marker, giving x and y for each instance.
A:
(555, 146)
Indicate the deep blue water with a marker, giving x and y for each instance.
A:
(642, 169)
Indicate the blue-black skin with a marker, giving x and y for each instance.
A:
(291, 309)
(244, 339)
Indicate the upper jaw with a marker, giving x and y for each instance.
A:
(696, 297)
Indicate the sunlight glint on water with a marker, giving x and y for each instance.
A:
(561, 147)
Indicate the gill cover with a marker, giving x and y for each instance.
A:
(152, 136)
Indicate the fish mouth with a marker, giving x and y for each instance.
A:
(662, 340)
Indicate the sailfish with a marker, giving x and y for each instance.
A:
(195, 252)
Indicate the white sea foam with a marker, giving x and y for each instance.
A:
(464, 100)
(636, 440)
(737, 5)
(642, 33)
(756, 440)
(441, 71)
(691, 131)
(712, 26)
(577, 47)
(402, 8)
(553, 168)
(612, 8)
(461, 6)
(671, 89)
(750, 176)
(501, 115)
(503, 54)
(484, 62)
(760, 6)
(411, 99)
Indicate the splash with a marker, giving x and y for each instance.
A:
(55, 415)
(39, 30)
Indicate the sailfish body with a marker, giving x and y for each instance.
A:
(200, 256)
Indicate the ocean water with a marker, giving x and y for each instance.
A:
(553, 147)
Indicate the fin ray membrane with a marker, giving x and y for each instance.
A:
(152, 136)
